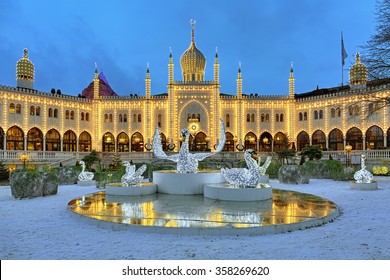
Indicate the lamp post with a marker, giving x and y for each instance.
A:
(24, 158)
(348, 149)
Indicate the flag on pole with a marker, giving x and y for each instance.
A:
(344, 54)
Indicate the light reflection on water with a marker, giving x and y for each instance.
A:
(166, 210)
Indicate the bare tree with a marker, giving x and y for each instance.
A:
(376, 52)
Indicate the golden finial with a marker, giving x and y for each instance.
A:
(25, 53)
(192, 22)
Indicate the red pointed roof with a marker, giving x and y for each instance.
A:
(104, 88)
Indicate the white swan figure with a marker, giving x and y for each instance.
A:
(186, 162)
(263, 168)
(363, 175)
(244, 177)
(132, 177)
(85, 175)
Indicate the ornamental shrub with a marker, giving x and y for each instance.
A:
(380, 170)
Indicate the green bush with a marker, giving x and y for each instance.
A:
(273, 170)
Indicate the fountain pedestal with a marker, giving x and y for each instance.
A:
(144, 188)
(223, 191)
(363, 186)
(85, 183)
(172, 182)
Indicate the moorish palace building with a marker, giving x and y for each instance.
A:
(99, 119)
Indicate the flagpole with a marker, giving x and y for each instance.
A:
(344, 55)
(342, 60)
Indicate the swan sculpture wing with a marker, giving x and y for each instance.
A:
(157, 148)
(221, 144)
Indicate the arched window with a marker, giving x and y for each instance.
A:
(106, 118)
(248, 117)
(32, 110)
(87, 117)
(321, 114)
(336, 140)
(69, 141)
(34, 139)
(229, 144)
(355, 138)
(267, 117)
(315, 114)
(356, 110)
(262, 118)
(302, 140)
(374, 138)
(18, 109)
(227, 120)
(265, 142)
(198, 117)
(124, 117)
(123, 142)
(250, 141)
(137, 142)
(350, 110)
(15, 138)
(108, 142)
(305, 116)
(85, 142)
(50, 113)
(338, 112)
(333, 113)
(159, 120)
(318, 138)
(120, 118)
(281, 119)
(280, 142)
(252, 117)
(277, 118)
(134, 118)
(72, 115)
(300, 116)
(38, 111)
(67, 114)
(110, 118)
(82, 116)
(12, 108)
(55, 113)
(53, 141)
(139, 117)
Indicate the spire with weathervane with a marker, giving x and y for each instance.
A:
(147, 82)
(291, 82)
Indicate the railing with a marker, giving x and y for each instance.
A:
(69, 158)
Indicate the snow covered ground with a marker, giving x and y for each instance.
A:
(43, 228)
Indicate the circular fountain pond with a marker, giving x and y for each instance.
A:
(196, 214)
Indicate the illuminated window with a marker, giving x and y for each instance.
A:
(67, 114)
(50, 113)
(32, 110)
(12, 108)
(159, 119)
(227, 120)
(105, 117)
(267, 117)
(18, 109)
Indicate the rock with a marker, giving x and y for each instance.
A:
(317, 169)
(29, 184)
(67, 175)
(292, 174)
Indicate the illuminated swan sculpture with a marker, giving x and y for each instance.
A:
(246, 177)
(85, 175)
(132, 177)
(363, 175)
(186, 162)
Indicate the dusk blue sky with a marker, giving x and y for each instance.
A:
(66, 38)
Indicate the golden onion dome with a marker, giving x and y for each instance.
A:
(193, 62)
(25, 68)
(358, 72)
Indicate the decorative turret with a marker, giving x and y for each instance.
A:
(291, 82)
(358, 73)
(25, 72)
(147, 82)
(170, 68)
(193, 62)
(216, 67)
(96, 84)
(239, 81)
